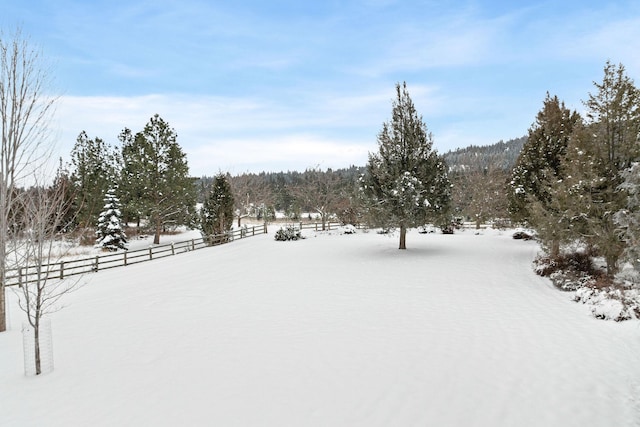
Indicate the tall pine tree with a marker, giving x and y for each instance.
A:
(156, 176)
(95, 167)
(405, 184)
(539, 169)
(598, 154)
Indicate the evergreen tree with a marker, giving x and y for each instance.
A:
(216, 216)
(405, 184)
(94, 165)
(539, 169)
(156, 177)
(598, 154)
(63, 186)
(133, 178)
(110, 234)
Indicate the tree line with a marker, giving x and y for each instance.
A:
(479, 176)
(135, 173)
(148, 172)
(577, 178)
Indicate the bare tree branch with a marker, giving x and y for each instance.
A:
(25, 112)
(42, 211)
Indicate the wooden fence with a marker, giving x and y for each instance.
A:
(317, 226)
(66, 268)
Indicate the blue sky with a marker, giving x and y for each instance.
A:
(288, 85)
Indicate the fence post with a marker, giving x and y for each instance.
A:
(20, 277)
(316, 224)
(96, 265)
(173, 251)
(193, 244)
(150, 252)
(61, 270)
(125, 258)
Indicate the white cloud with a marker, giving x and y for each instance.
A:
(289, 152)
(454, 39)
(254, 134)
(235, 134)
(618, 41)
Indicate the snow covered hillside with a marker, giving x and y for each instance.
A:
(333, 330)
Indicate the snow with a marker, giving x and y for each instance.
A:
(333, 330)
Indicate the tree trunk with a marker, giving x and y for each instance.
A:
(4, 225)
(612, 264)
(36, 347)
(3, 320)
(156, 237)
(224, 238)
(555, 248)
(403, 237)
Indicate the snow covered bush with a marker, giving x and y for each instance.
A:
(426, 229)
(610, 303)
(348, 229)
(568, 271)
(446, 229)
(521, 234)
(607, 298)
(110, 235)
(287, 233)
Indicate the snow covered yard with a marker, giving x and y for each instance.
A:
(333, 330)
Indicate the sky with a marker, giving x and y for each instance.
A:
(256, 85)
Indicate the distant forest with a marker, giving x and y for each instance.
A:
(502, 155)
(479, 176)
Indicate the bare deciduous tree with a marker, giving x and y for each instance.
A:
(35, 249)
(250, 191)
(486, 188)
(25, 111)
(321, 192)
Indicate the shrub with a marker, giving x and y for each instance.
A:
(447, 229)
(425, 229)
(522, 235)
(348, 229)
(570, 271)
(610, 303)
(288, 232)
